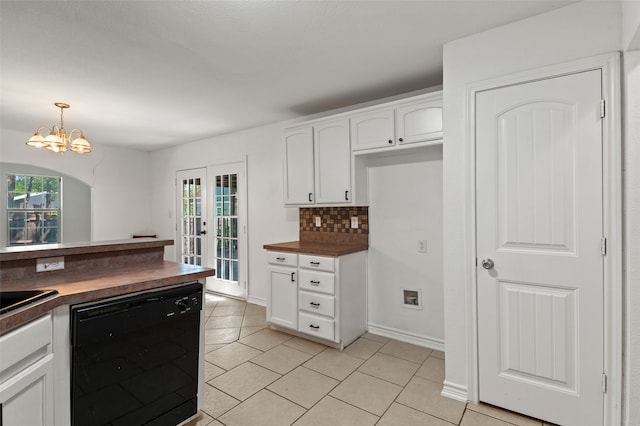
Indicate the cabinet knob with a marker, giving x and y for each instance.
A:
(346, 195)
(400, 140)
(293, 277)
(390, 141)
(310, 197)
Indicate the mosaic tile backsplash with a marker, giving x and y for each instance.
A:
(334, 219)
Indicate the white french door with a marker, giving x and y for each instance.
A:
(191, 216)
(229, 237)
(540, 273)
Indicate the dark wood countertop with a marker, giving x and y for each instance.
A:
(318, 248)
(88, 286)
(68, 249)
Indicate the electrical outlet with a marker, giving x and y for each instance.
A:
(422, 246)
(354, 222)
(50, 264)
(318, 222)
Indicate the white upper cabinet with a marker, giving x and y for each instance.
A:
(332, 162)
(298, 166)
(419, 122)
(374, 129)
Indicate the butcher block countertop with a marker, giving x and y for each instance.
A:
(92, 271)
(318, 248)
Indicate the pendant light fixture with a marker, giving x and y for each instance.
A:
(58, 140)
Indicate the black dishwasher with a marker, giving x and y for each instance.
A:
(135, 358)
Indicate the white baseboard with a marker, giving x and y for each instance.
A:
(455, 391)
(257, 301)
(406, 337)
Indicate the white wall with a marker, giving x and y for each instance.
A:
(268, 221)
(632, 236)
(630, 24)
(577, 31)
(405, 205)
(119, 178)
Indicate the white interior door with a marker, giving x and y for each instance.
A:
(229, 230)
(540, 222)
(191, 216)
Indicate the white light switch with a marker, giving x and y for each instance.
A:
(354, 222)
(318, 222)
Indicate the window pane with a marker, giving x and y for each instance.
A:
(225, 184)
(219, 269)
(198, 211)
(234, 270)
(225, 207)
(219, 247)
(234, 185)
(226, 252)
(233, 210)
(197, 188)
(234, 227)
(226, 269)
(234, 249)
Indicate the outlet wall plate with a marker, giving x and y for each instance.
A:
(354, 222)
(50, 264)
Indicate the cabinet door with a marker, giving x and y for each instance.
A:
(282, 307)
(373, 130)
(27, 398)
(419, 122)
(298, 166)
(332, 162)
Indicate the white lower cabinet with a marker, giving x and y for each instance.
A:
(330, 295)
(26, 375)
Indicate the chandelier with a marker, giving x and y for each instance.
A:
(58, 140)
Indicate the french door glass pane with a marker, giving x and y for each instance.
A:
(226, 227)
(192, 221)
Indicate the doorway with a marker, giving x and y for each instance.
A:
(540, 280)
(191, 216)
(229, 235)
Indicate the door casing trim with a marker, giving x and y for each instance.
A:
(609, 64)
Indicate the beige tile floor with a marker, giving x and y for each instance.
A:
(258, 376)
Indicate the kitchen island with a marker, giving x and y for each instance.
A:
(36, 340)
(91, 271)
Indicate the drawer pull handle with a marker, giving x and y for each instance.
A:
(293, 277)
(315, 327)
(315, 283)
(315, 263)
(280, 259)
(314, 304)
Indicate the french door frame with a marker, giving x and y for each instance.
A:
(243, 237)
(609, 64)
(179, 218)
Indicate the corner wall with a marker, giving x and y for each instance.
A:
(577, 31)
(632, 237)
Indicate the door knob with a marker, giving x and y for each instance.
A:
(487, 263)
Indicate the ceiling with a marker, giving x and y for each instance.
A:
(152, 74)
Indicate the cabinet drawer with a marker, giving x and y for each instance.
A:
(316, 326)
(285, 259)
(323, 282)
(320, 263)
(317, 303)
(24, 346)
